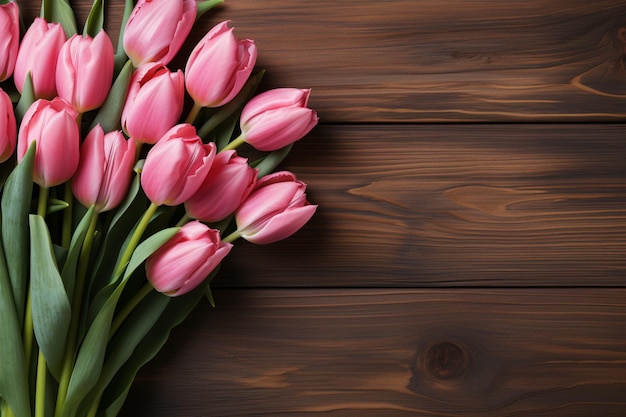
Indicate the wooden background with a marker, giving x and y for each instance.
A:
(469, 253)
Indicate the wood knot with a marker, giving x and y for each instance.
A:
(446, 361)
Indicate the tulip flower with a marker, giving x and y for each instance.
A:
(219, 66)
(9, 38)
(52, 124)
(105, 169)
(84, 71)
(38, 54)
(277, 118)
(154, 102)
(176, 166)
(275, 210)
(8, 127)
(156, 30)
(229, 182)
(186, 260)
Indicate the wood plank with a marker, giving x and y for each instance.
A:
(432, 60)
(432, 205)
(393, 353)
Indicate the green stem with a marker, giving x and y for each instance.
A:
(40, 390)
(42, 208)
(94, 406)
(129, 307)
(77, 298)
(28, 330)
(135, 238)
(232, 237)
(66, 236)
(6, 411)
(239, 140)
(117, 322)
(183, 220)
(193, 113)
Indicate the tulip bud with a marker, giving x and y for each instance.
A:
(52, 124)
(9, 38)
(8, 127)
(154, 102)
(85, 71)
(275, 210)
(38, 55)
(277, 118)
(219, 66)
(186, 260)
(105, 169)
(156, 29)
(176, 166)
(229, 182)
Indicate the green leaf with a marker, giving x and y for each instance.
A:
(268, 163)
(68, 273)
(129, 335)
(90, 359)
(95, 20)
(26, 99)
(15, 207)
(60, 11)
(55, 205)
(110, 113)
(206, 5)
(176, 311)
(209, 296)
(120, 54)
(51, 307)
(13, 380)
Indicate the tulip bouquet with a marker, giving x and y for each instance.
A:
(124, 186)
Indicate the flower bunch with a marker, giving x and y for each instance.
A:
(123, 189)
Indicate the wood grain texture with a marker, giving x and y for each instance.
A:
(393, 353)
(461, 226)
(432, 205)
(432, 60)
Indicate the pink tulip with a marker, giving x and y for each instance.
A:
(229, 182)
(275, 210)
(186, 260)
(38, 55)
(219, 66)
(277, 118)
(9, 38)
(8, 127)
(157, 29)
(105, 169)
(154, 102)
(176, 166)
(85, 71)
(52, 124)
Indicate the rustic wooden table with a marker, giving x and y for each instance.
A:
(469, 253)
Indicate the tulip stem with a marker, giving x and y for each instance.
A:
(66, 237)
(183, 220)
(77, 298)
(129, 307)
(42, 208)
(239, 140)
(232, 237)
(193, 113)
(40, 390)
(6, 410)
(135, 238)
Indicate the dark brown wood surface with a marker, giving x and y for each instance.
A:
(469, 253)
(481, 352)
